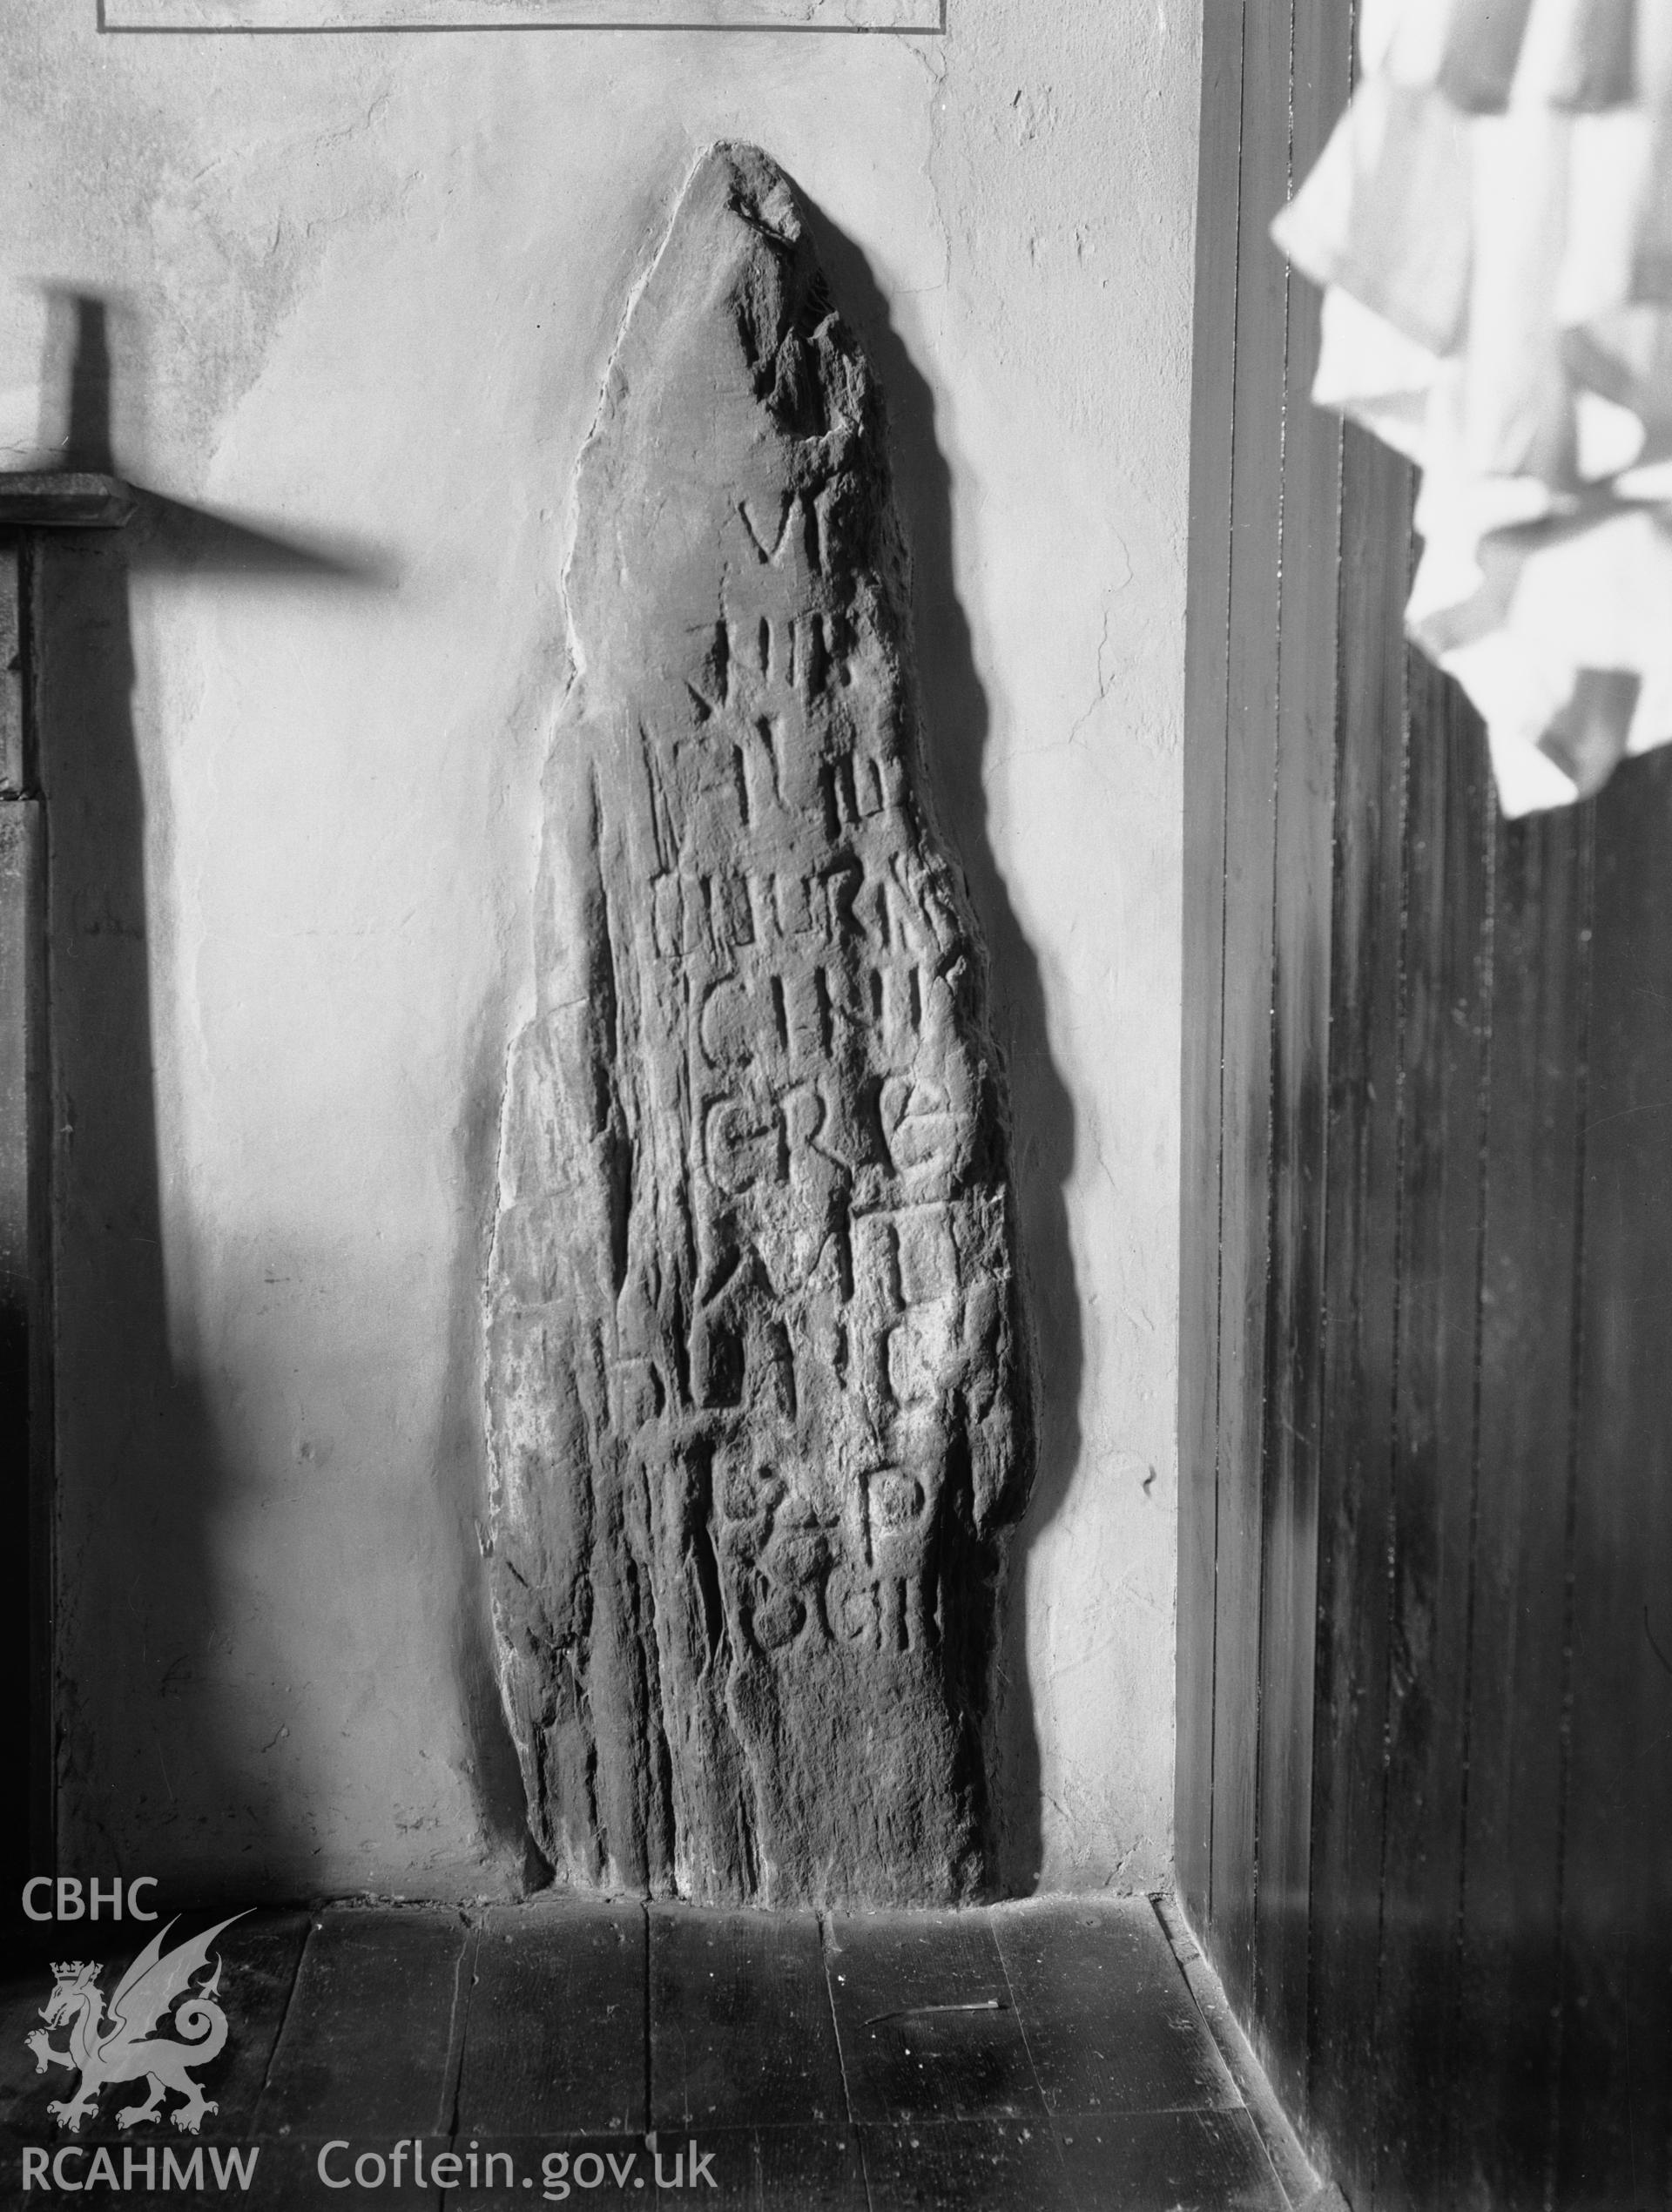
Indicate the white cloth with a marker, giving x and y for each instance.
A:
(1492, 221)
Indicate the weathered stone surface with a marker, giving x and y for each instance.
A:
(758, 1400)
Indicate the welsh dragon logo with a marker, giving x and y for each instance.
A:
(122, 2047)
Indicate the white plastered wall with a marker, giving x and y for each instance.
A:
(360, 291)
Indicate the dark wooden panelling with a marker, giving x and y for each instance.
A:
(926, 2025)
(1205, 709)
(1615, 2081)
(1426, 1670)
(741, 2031)
(1245, 1102)
(1360, 1295)
(1448, 889)
(555, 2036)
(1106, 2015)
(1515, 1673)
(1300, 993)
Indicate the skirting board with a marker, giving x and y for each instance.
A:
(522, 15)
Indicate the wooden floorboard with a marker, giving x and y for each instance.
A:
(1108, 2021)
(555, 2037)
(1169, 2161)
(964, 2166)
(355, 2041)
(24, 2093)
(262, 1957)
(287, 2178)
(741, 2032)
(820, 2168)
(258, 1965)
(367, 2043)
(735, 2169)
(773, 2170)
(927, 2027)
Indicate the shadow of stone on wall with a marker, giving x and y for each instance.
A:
(140, 1476)
(957, 726)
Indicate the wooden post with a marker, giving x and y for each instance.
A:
(29, 504)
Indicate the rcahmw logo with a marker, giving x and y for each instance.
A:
(105, 2046)
(74, 2167)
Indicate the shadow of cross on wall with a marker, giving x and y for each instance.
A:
(75, 1033)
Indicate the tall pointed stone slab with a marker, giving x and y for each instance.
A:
(756, 1392)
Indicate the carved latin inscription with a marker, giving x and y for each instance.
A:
(758, 1406)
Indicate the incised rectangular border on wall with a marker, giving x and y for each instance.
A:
(522, 15)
